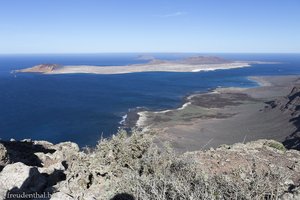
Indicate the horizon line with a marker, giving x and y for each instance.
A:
(165, 52)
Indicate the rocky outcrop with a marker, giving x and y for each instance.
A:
(34, 166)
(262, 155)
(18, 178)
(290, 105)
(24, 151)
(133, 167)
(43, 68)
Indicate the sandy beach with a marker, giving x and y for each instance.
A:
(225, 116)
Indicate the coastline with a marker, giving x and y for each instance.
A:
(199, 123)
(186, 100)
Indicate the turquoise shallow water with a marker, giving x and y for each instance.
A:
(82, 107)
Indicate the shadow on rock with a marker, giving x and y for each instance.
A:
(293, 140)
(123, 196)
(289, 105)
(24, 151)
(36, 185)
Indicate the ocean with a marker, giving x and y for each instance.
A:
(84, 107)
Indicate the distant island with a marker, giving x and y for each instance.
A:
(191, 64)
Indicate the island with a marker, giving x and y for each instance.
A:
(190, 64)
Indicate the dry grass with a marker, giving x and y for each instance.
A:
(133, 164)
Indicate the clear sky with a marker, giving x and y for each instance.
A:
(95, 26)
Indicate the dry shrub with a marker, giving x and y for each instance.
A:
(134, 164)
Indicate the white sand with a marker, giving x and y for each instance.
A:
(163, 67)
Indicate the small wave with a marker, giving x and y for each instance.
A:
(122, 122)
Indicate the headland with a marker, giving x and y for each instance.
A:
(230, 115)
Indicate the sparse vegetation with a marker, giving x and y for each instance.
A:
(276, 145)
(135, 165)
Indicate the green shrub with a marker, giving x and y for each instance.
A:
(276, 145)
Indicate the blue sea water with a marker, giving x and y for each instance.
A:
(82, 107)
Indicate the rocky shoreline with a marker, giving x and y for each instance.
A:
(133, 115)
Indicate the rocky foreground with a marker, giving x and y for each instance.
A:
(133, 167)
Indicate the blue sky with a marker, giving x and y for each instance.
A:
(95, 26)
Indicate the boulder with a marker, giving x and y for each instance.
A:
(52, 168)
(66, 152)
(21, 178)
(24, 151)
(67, 146)
(43, 143)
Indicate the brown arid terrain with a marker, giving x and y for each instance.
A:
(42, 68)
(231, 115)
